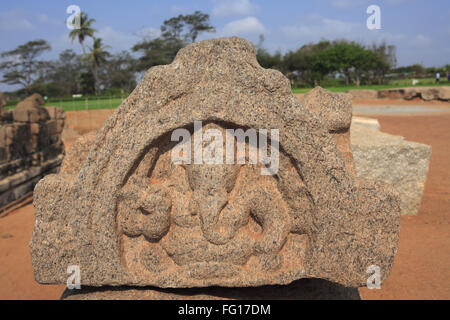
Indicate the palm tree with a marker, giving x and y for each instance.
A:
(98, 56)
(84, 31)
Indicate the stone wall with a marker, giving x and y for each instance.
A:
(425, 93)
(30, 146)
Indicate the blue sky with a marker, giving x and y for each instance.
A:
(419, 28)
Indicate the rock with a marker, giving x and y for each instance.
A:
(131, 216)
(77, 153)
(363, 94)
(425, 93)
(335, 111)
(2, 101)
(30, 110)
(4, 115)
(30, 147)
(389, 158)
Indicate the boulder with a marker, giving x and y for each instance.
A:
(30, 147)
(335, 111)
(366, 122)
(2, 101)
(30, 110)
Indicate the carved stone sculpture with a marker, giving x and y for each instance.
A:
(128, 215)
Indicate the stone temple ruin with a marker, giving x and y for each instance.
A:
(127, 216)
(392, 159)
(30, 146)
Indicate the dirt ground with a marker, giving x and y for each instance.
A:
(422, 265)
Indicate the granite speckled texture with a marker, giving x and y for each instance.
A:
(131, 217)
(392, 159)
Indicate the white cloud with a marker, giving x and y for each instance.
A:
(178, 8)
(235, 7)
(316, 27)
(348, 3)
(410, 48)
(14, 21)
(420, 41)
(249, 25)
(344, 4)
(148, 33)
(395, 2)
(42, 18)
(116, 39)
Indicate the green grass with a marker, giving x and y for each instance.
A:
(110, 103)
(392, 85)
(81, 104)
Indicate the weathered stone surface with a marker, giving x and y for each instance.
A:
(363, 94)
(131, 216)
(425, 93)
(366, 122)
(390, 158)
(30, 110)
(2, 102)
(335, 111)
(4, 114)
(77, 153)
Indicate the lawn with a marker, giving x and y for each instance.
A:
(393, 84)
(86, 104)
(102, 102)
(83, 104)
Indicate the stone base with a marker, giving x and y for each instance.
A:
(303, 289)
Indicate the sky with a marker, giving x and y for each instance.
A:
(420, 29)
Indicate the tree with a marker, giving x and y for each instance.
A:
(97, 57)
(85, 30)
(156, 52)
(21, 65)
(385, 59)
(66, 70)
(299, 63)
(265, 59)
(86, 82)
(121, 72)
(343, 57)
(196, 23)
(176, 33)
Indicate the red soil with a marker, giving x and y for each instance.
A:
(422, 265)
